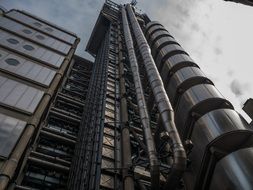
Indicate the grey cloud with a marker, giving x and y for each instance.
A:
(230, 72)
(195, 27)
(237, 88)
(177, 25)
(183, 10)
(204, 34)
(217, 51)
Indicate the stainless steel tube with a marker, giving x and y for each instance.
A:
(162, 101)
(143, 111)
(128, 180)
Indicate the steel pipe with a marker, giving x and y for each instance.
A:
(143, 111)
(128, 181)
(163, 104)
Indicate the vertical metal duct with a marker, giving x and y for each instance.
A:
(128, 181)
(145, 121)
(163, 104)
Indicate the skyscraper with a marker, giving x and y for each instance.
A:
(141, 116)
(43, 89)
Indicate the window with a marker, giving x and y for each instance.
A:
(37, 24)
(10, 130)
(28, 47)
(26, 31)
(49, 29)
(12, 41)
(12, 61)
(40, 37)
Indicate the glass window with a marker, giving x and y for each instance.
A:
(10, 130)
(12, 41)
(13, 62)
(27, 31)
(28, 47)
(40, 37)
(37, 24)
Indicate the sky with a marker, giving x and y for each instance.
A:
(217, 34)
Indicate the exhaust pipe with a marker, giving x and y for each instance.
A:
(163, 104)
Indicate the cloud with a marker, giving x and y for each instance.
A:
(236, 88)
(239, 88)
(230, 72)
(217, 51)
(195, 27)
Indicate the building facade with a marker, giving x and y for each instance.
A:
(141, 116)
(43, 90)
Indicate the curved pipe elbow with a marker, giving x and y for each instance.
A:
(162, 101)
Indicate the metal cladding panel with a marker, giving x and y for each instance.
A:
(174, 63)
(150, 24)
(157, 35)
(18, 95)
(41, 26)
(183, 79)
(31, 49)
(10, 131)
(166, 52)
(34, 35)
(15, 64)
(153, 29)
(223, 129)
(197, 100)
(161, 42)
(235, 171)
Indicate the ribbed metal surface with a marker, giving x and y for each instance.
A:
(234, 171)
(175, 63)
(215, 135)
(182, 80)
(156, 28)
(166, 52)
(204, 117)
(98, 131)
(160, 43)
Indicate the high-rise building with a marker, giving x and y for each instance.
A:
(43, 87)
(141, 116)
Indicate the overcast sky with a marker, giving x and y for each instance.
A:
(217, 34)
